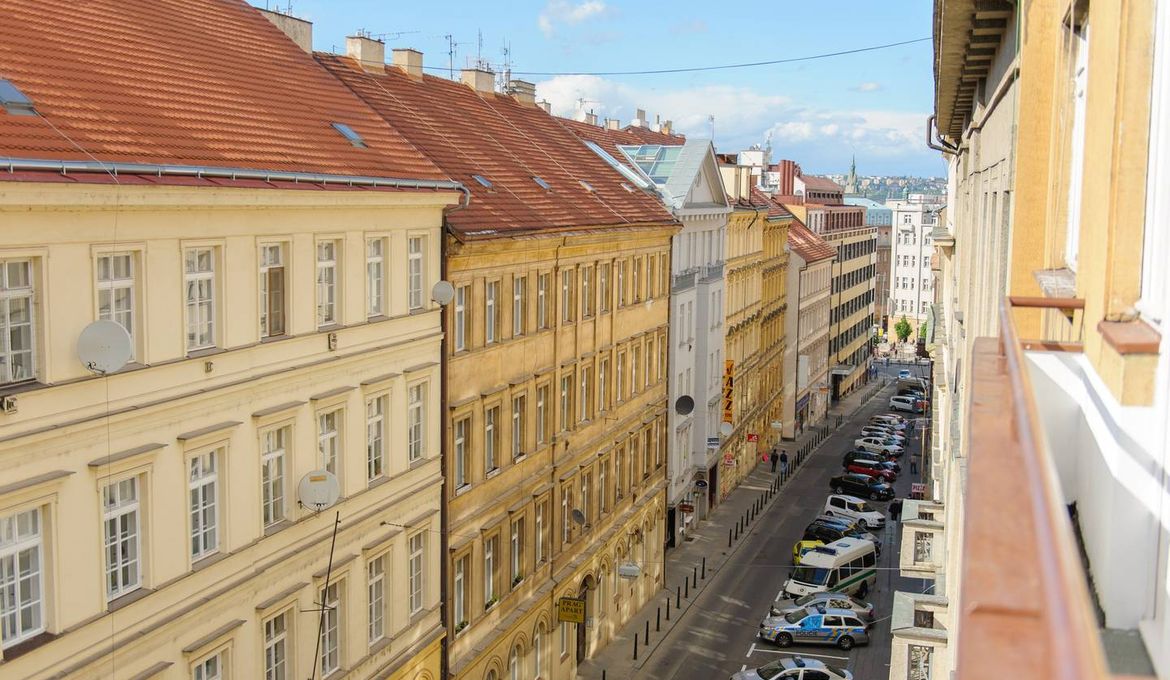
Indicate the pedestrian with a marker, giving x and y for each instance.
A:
(896, 509)
(913, 465)
(783, 461)
(775, 459)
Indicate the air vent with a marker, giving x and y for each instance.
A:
(13, 100)
(349, 134)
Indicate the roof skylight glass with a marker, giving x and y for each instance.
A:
(13, 101)
(543, 184)
(484, 181)
(587, 185)
(349, 134)
(655, 160)
(617, 165)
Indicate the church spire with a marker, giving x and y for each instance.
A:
(851, 180)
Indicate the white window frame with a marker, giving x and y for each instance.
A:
(566, 533)
(266, 265)
(416, 420)
(491, 425)
(200, 332)
(538, 651)
(462, 293)
(376, 422)
(519, 406)
(277, 659)
(203, 502)
(603, 384)
(519, 305)
(539, 542)
(376, 598)
(210, 667)
(415, 571)
(459, 591)
(109, 284)
(542, 433)
(123, 510)
(566, 402)
(583, 398)
(491, 312)
(331, 630)
(1080, 75)
(8, 294)
(375, 277)
(22, 576)
(489, 568)
(542, 281)
(1154, 303)
(568, 295)
(604, 271)
(461, 428)
(329, 444)
(516, 548)
(274, 444)
(328, 251)
(586, 292)
(416, 271)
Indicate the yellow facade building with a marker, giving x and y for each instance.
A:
(276, 287)
(851, 315)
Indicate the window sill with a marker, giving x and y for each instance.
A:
(277, 527)
(494, 472)
(1130, 337)
(26, 646)
(519, 458)
(376, 482)
(205, 352)
(208, 560)
(460, 490)
(268, 339)
(127, 599)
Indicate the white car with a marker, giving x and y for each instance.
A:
(794, 668)
(896, 422)
(877, 445)
(854, 508)
(884, 433)
(904, 404)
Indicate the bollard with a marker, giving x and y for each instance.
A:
(647, 640)
(668, 609)
(658, 621)
(728, 539)
(704, 567)
(602, 674)
(695, 578)
(677, 597)
(687, 588)
(635, 648)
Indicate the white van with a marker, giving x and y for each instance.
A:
(904, 404)
(851, 507)
(848, 565)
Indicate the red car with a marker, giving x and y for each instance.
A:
(872, 469)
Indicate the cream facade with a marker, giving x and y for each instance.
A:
(806, 364)
(851, 315)
(154, 511)
(911, 288)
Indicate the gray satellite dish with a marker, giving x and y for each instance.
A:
(578, 517)
(684, 405)
(443, 292)
(726, 429)
(318, 490)
(104, 346)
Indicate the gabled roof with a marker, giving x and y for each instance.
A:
(775, 210)
(511, 146)
(648, 136)
(820, 183)
(183, 82)
(810, 247)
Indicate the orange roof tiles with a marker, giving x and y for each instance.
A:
(468, 133)
(820, 183)
(775, 210)
(809, 246)
(183, 82)
(645, 135)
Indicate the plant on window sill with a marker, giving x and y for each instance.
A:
(517, 579)
(490, 603)
(460, 626)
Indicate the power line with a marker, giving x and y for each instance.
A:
(694, 69)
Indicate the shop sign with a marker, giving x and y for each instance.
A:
(753, 437)
(729, 459)
(571, 609)
(686, 507)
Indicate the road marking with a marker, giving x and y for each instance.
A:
(752, 649)
(743, 667)
(778, 595)
(789, 651)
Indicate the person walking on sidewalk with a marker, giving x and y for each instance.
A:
(783, 462)
(896, 509)
(775, 459)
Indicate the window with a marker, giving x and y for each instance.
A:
(415, 572)
(491, 438)
(115, 284)
(199, 281)
(489, 572)
(210, 668)
(585, 401)
(635, 364)
(122, 537)
(331, 629)
(21, 577)
(1156, 238)
(636, 280)
(923, 546)
(586, 292)
(329, 439)
(462, 295)
(621, 283)
(538, 650)
(376, 437)
(276, 652)
(564, 628)
(603, 384)
(376, 598)
(272, 448)
(462, 428)
(651, 279)
(620, 379)
(542, 415)
(375, 277)
(1079, 41)
(519, 405)
(416, 418)
(567, 291)
(542, 301)
(586, 494)
(540, 536)
(603, 272)
(566, 493)
(517, 550)
(459, 603)
(566, 402)
(602, 490)
(415, 272)
(514, 664)
(664, 272)
(918, 662)
(326, 283)
(203, 503)
(491, 321)
(519, 305)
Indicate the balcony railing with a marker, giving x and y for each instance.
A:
(683, 281)
(1025, 602)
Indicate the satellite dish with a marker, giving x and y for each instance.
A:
(684, 405)
(726, 429)
(104, 346)
(318, 490)
(578, 517)
(443, 292)
(777, 425)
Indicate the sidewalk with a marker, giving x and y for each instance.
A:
(732, 520)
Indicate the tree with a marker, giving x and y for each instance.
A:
(903, 329)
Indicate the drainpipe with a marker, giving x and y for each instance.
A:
(938, 143)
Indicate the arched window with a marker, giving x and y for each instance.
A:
(538, 651)
(514, 664)
(491, 675)
(601, 605)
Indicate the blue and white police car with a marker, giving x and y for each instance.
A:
(816, 626)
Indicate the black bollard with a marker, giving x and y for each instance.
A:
(668, 609)
(647, 640)
(729, 538)
(602, 674)
(635, 648)
(704, 567)
(658, 620)
(687, 588)
(695, 578)
(678, 597)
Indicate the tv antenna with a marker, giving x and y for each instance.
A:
(451, 45)
(385, 36)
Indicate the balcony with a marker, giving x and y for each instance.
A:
(683, 281)
(712, 271)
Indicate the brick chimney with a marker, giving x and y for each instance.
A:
(298, 30)
(545, 104)
(591, 118)
(639, 118)
(370, 53)
(613, 124)
(522, 91)
(409, 61)
(479, 80)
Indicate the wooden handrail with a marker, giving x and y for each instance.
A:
(1024, 301)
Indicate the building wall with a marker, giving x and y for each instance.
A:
(806, 392)
(851, 317)
(195, 585)
(556, 404)
(910, 250)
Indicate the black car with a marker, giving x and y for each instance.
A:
(861, 486)
(862, 454)
(826, 530)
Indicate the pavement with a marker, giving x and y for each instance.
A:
(714, 617)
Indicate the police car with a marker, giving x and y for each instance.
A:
(815, 626)
(794, 668)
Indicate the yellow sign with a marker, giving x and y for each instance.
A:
(728, 391)
(571, 609)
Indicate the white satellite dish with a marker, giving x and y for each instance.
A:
(443, 292)
(104, 346)
(726, 429)
(776, 425)
(318, 490)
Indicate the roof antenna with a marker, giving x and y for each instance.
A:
(451, 45)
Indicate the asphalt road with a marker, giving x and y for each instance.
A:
(718, 635)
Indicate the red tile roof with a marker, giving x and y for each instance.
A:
(468, 133)
(645, 135)
(820, 183)
(183, 82)
(809, 246)
(775, 210)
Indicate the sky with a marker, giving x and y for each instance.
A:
(820, 113)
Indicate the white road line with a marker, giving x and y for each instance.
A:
(744, 667)
(752, 649)
(778, 595)
(792, 653)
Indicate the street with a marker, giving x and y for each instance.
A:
(717, 636)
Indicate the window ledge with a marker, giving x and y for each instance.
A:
(419, 463)
(459, 491)
(208, 560)
(492, 473)
(205, 352)
(127, 599)
(377, 481)
(1130, 337)
(276, 338)
(26, 646)
(277, 527)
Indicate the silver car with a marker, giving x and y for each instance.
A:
(794, 668)
(864, 610)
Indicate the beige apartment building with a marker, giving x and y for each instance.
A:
(851, 302)
(806, 358)
(276, 289)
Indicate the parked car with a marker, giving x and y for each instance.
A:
(898, 421)
(904, 374)
(880, 421)
(816, 625)
(883, 432)
(879, 445)
(906, 404)
(828, 528)
(855, 509)
(861, 486)
(834, 600)
(872, 468)
(794, 668)
(802, 546)
(870, 455)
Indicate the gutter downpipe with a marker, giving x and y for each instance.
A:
(935, 142)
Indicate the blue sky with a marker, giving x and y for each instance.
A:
(818, 112)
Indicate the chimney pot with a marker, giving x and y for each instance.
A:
(370, 53)
(479, 80)
(408, 60)
(546, 105)
(298, 30)
(613, 124)
(522, 91)
(591, 118)
(667, 126)
(639, 118)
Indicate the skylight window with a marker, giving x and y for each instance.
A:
(13, 101)
(587, 185)
(349, 134)
(655, 160)
(484, 181)
(543, 184)
(616, 165)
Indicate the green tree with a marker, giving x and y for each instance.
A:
(903, 329)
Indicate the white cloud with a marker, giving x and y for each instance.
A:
(564, 12)
(867, 87)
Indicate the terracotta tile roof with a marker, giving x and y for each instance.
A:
(509, 144)
(183, 82)
(645, 135)
(820, 183)
(809, 246)
(611, 139)
(775, 210)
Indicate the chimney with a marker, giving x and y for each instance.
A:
(657, 123)
(591, 118)
(298, 30)
(408, 60)
(639, 118)
(522, 91)
(666, 127)
(370, 53)
(479, 80)
(613, 124)
(546, 105)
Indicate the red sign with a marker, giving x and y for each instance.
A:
(918, 490)
(753, 437)
(729, 459)
(686, 507)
